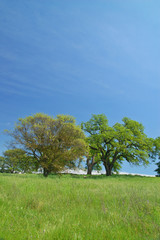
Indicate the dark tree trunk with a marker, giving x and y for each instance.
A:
(90, 165)
(109, 172)
(89, 169)
(45, 172)
(108, 169)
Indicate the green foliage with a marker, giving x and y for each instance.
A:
(2, 164)
(158, 168)
(93, 161)
(97, 166)
(53, 142)
(125, 141)
(156, 153)
(131, 142)
(17, 160)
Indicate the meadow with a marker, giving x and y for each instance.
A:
(71, 207)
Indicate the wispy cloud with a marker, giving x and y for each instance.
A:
(111, 89)
(5, 123)
(25, 88)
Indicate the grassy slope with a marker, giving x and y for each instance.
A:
(71, 207)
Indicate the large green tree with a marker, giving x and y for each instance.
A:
(54, 142)
(125, 141)
(17, 160)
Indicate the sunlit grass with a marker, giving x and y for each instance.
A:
(73, 207)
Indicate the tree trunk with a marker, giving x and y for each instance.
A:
(108, 169)
(90, 165)
(45, 172)
(109, 172)
(89, 169)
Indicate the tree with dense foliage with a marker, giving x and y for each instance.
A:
(156, 153)
(2, 164)
(158, 168)
(125, 141)
(17, 160)
(54, 142)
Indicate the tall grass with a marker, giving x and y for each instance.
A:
(73, 207)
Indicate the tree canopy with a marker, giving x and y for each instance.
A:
(156, 153)
(125, 141)
(17, 160)
(2, 164)
(54, 142)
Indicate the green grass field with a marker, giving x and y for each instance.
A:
(73, 207)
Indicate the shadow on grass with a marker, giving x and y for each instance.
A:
(75, 176)
(103, 176)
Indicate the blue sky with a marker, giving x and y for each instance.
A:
(81, 58)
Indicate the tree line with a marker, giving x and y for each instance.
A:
(54, 144)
